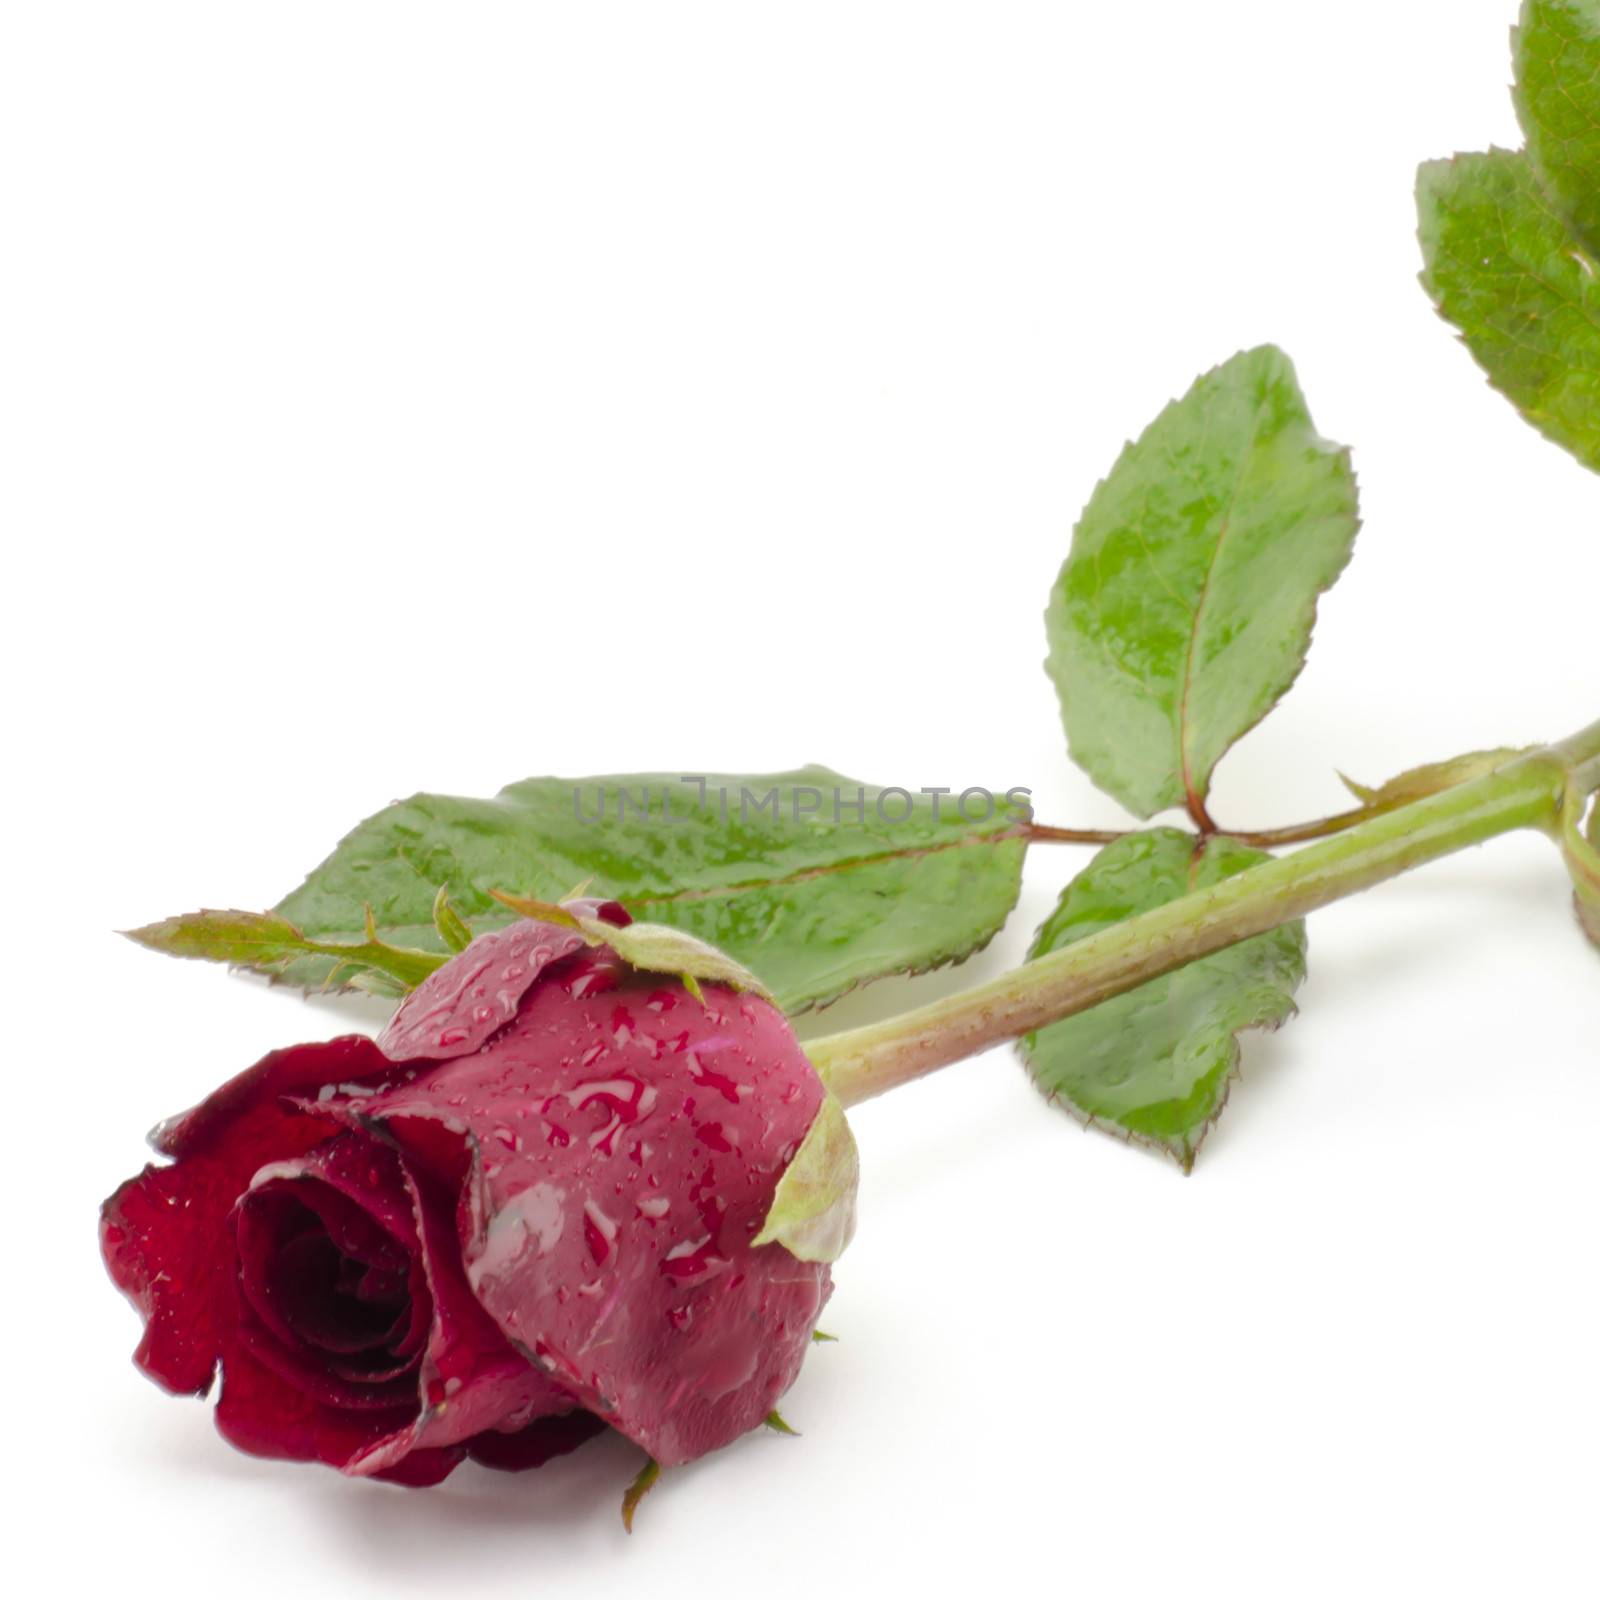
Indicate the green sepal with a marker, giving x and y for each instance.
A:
(1420, 782)
(453, 932)
(813, 1211)
(1581, 848)
(653, 947)
(265, 942)
(649, 1473)
(647, 946)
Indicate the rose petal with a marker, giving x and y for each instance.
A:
(471, 1377)
(583, 1116)
(467, 1000)
(297, 1288)
(265, 1414)
(164, 1234)
(609, 911)
(536, 1444)
(389, 1392)
(261, 1414)
(248, 1110)
(351, 1192)
(355, 1186)
(354, 1192)
(423, 1468)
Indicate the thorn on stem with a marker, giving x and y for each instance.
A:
(638, 1489)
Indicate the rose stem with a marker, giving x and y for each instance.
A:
(1529, 792)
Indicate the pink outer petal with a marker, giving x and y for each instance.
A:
(473, 996)
(626, 1145)
(164, 1234)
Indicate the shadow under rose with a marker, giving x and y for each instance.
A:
(477, 1513)
(476, 1521)
(556, 1520)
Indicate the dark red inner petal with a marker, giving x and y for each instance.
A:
(541, 1441)
(333, 1301)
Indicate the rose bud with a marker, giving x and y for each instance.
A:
(546, 1200)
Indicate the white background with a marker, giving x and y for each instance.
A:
(408, 397)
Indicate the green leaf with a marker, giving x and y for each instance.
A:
(1155, 1064)
(1420, 782)
(811, 904)
(813, 1211)
(1558, 102)
(1502, 265)
(1185, 608)
(268, 943)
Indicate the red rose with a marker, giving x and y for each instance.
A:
(524, 1214)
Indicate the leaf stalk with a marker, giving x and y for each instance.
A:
(1257, 839)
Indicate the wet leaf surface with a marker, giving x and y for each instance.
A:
(1155, 1064)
